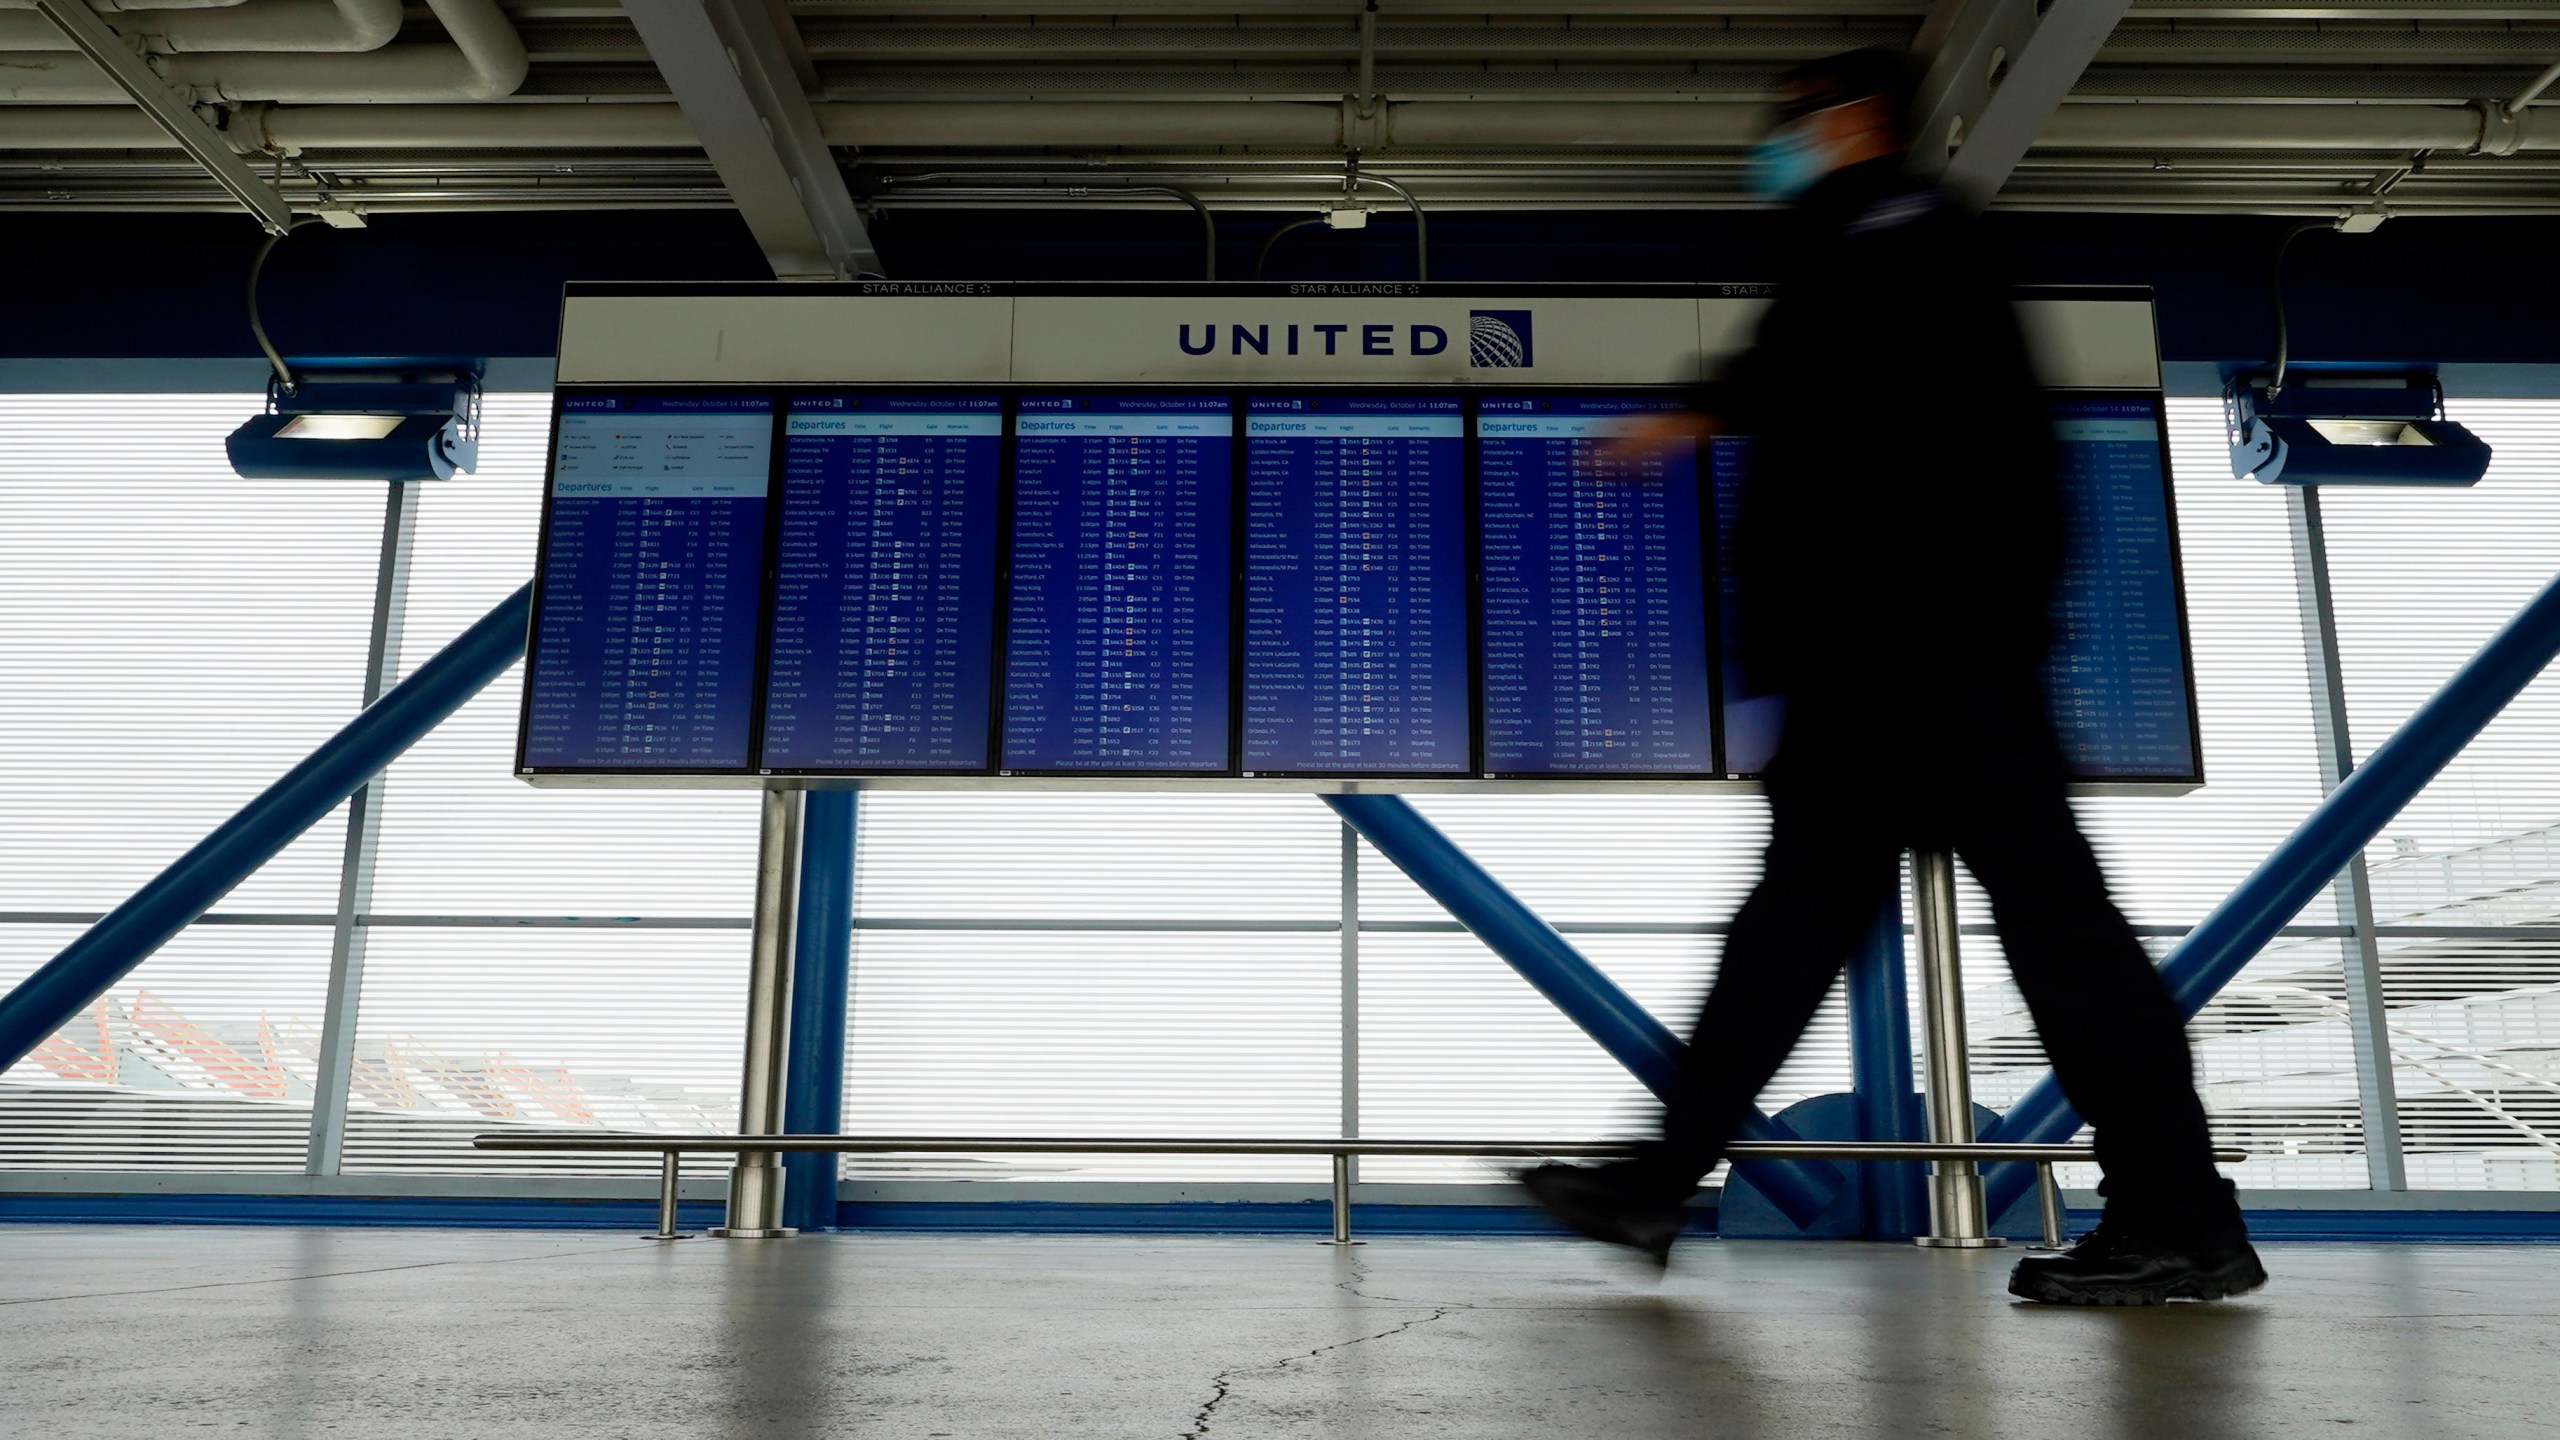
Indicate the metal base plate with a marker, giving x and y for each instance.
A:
(654, 1235)
(1951, 1242)
(723, 1232)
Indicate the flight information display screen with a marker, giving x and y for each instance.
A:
(2118, 674)
(2119, 669)
(1291, 583)
(643, 651)
(1117, 611)
(883, 648)
(1355, 586)
(1595, 628)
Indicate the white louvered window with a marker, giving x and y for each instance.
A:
(172, 637)
(1118, 964)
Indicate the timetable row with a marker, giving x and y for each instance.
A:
(1156, 583)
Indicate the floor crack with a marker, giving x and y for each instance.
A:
(1222, 1384)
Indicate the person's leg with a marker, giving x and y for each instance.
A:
(2117, 1044)
(1829, 867)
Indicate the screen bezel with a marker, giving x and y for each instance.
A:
(560, 397)
(1231, 778)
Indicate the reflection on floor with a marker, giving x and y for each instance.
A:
(157, 1331)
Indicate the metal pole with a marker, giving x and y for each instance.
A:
(108, 951)
(1350, 1080)
(755, 1185)
(1342, 1200)
(670, 1186)
(1549, 963)
(1957, 1219)
(2377, 1095)
(821, 980)
(2049, 1205)
(1880, 1075)
(338, 1013)
(2296, 871)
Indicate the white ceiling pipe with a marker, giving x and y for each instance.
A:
(2180, 126)
(1283, 123)
(1454, 125)
(486, 61)
(109, 7)
(1469, 124)
(326, 26)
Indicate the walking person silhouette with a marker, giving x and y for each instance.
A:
(1900, 539)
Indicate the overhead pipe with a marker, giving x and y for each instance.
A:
(485, 61)
(1548, 961)
(327, 26)
(2299, 869)
(131, 933)
(1449, 125)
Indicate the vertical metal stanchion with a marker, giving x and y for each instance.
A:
(338, 1012)
(1346, 1168)
(2377, 1093)
(755, 1186)
(670, 1191)
(2057, 1232)
(1958, 1219)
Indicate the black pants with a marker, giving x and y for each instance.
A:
(1837, 831)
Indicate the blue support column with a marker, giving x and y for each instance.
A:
(171, 900)
(2300, 868)
(821, 982)
(1558, 971)
(1895, 1204)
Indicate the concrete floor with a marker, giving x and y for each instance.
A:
(162, 1331)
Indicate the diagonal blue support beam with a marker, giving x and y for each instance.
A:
(109, 950)
(1558, 971)
(2296, 871)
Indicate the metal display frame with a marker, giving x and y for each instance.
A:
(1232, 777)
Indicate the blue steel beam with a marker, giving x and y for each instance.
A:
(1880, 1077)
(821, 979)
(127, 935)
(1558, 971)
(2296, 871)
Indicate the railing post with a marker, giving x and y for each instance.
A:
(755, 1185)
(1956, 1217)
(670, 1190)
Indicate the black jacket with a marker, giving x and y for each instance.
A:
(1901, 530)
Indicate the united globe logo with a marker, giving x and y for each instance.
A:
(1498, 339)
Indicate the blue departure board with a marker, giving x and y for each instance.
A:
(644, 637)
(2118, 676)
(884, 584)
(1751, 722)
(1595, 631)
(2119, 668)
(1116, 624)
(1355, 587)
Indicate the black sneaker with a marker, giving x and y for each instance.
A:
(1589, 1201)
(2121, 1267)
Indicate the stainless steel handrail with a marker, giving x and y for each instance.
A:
(671, 1149)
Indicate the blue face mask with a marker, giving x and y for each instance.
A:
(1786, 163)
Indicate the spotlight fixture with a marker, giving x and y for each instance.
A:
(371, 420)
(2344, 428)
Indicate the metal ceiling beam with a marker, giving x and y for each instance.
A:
(1998, 70)
(136, 78)
(731, 73)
